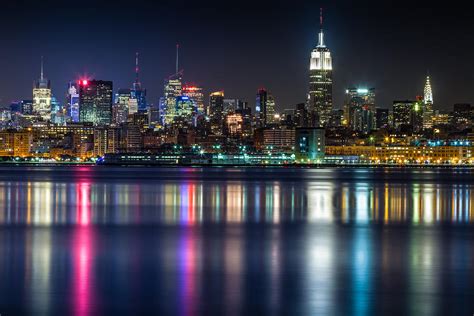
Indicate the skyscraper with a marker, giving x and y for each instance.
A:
(173, 88)
(261, 107)
(360, 109)
(121, 106)
(428, 105)
(216, 112)
(320, 82)
(402, 113)
(195, 95)
(381, 118)
(185, 109)
(42, 96)
(72, 101)
(95, 101)
(264, 108)
(137, 94)
(270, 110)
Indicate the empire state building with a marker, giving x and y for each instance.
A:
(320, 82)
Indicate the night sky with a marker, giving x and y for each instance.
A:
(240, 46)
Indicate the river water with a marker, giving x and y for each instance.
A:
(92, 240)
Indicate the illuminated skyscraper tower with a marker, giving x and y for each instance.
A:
(137, 94)
(428, 105)
(320, 82)
(172, 89)
(42, 96)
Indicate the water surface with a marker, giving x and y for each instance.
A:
(249, 241)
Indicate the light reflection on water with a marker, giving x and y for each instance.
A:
(191, 202)
(297, 242)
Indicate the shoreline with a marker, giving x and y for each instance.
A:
(283, 166)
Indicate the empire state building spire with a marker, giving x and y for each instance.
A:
(321, 33)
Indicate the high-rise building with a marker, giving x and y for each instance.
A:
(185, 109)
(120, 109)
(172, 90)
(95, 101)
(72, 102)
(381, 118)
(428, 105)
(194, 93)
(42, 96)
(320, 82)
(416, 115)
(270, 111)
(301, 115)
(402, 112)
(264, 108)
(216, 112)
(260, 108)
(137, 93)
(232, 105)
(360, 109)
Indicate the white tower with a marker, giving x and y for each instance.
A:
(428, 105)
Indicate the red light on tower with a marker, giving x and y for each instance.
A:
(84, 82)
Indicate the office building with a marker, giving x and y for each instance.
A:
(194, 93)
(359, 109)
(95, 101)
(72, 102)
(427, 109)
(172, 90)
(216, 112)
(42, 96)
(402, 113)
(381, 118)
(320, 83)
(137, 93)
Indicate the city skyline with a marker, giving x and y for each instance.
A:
(241, 69)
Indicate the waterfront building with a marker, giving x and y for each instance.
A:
(42, 96)
(360, 109)
(216, 112)
(77, 137)
(406, 154)
(320, 82)
(309, 144)
(95, 101)
(279, 139)
(15, 143)
(427, 109)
